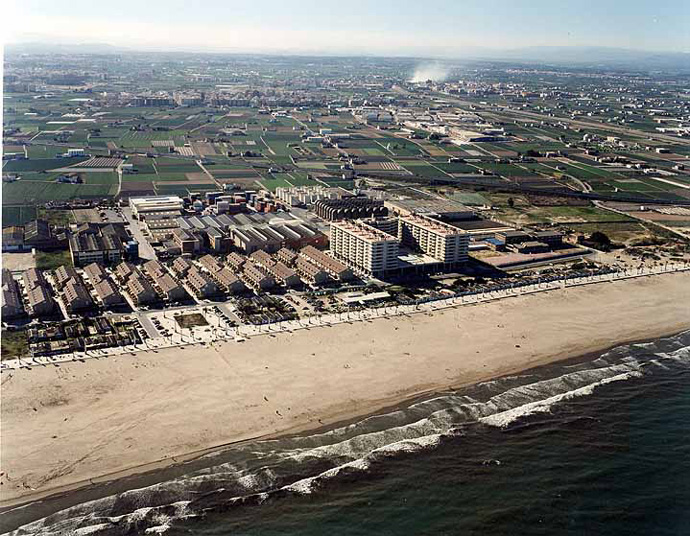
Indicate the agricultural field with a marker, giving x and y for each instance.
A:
(252, 117)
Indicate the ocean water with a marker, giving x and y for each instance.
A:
(598, 445)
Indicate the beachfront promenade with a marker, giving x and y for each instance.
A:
(218, 330)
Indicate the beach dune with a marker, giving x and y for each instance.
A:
(62, 426)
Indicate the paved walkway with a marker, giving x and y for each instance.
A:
(218, 330)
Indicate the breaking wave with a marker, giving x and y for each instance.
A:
(266, 470)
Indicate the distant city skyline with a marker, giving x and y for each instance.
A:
(443, 28)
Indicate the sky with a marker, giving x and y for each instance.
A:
(377, 27)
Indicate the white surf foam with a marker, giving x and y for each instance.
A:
(505, 418)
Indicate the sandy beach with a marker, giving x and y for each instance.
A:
(65, 426)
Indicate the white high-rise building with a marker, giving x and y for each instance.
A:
(364, 248)
(437, 239)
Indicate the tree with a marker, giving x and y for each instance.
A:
(600, 238)
(511, 202)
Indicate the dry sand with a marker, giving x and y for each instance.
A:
(104, 418)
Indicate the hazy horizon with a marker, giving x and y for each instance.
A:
(402, 28)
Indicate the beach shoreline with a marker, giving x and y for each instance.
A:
(656, 311)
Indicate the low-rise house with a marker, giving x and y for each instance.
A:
(76, 296)
(140, 290)
(286, 256)
(39, 298)
(154, 269)
(96, 273)
(124, 271)
(310, 272)
(33, 278)
(63, 274)
(12, 305)
(262, 258)
(210, 263)
(257, 277)
(202, 284)
(181, 265)
(40, 301)
(229, 281)
(171, 289)
(107, 292)
(334, 267)
(236, 261)
(285, 275)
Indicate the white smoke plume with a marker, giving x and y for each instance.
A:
(436, 72)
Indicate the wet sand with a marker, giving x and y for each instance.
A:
(68, 426)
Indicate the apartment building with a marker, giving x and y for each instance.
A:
(365, 248)
(101, 244)
(349, 208)
(443, 242)
(297, 196)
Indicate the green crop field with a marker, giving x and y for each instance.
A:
(274, 182)
(456, 167)
(106, 177)
(44, 151)
(506, 170)
(41, 164)
(423, 169)
(31, 192)
(18, 215)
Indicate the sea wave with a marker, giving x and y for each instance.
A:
(505, 418)
(260, 471)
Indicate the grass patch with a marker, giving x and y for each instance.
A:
(191, 320)
(14, 344)
(50, 260)
(56, 217)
